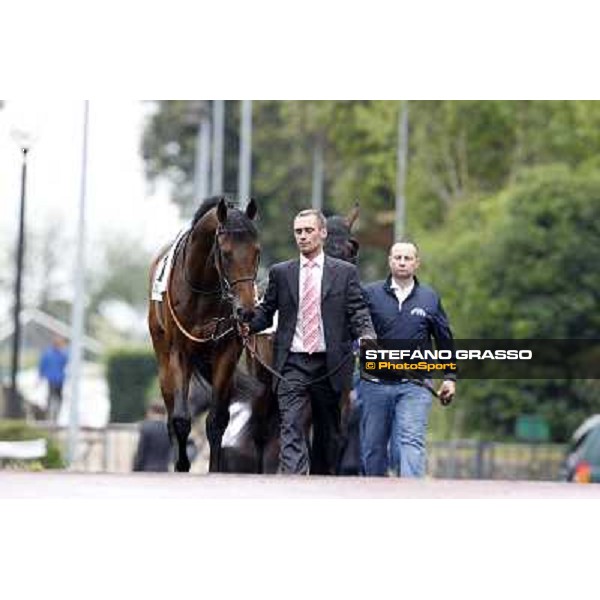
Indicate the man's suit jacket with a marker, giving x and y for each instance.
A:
(344, 314)
(154, 447)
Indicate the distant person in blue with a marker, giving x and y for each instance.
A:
(397, 413)
(52, 367)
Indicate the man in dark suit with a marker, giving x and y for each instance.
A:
(321, 310)
(153, 451)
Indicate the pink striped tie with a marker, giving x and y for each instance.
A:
(310, 312)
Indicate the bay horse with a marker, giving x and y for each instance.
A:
(210, 289)
(255, 448)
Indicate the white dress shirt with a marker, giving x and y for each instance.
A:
(402, 291)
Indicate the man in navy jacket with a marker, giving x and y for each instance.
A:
(396, 413)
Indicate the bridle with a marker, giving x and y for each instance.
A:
(226, 285)
(225, 289)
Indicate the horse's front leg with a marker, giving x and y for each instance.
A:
(218, 417)
(180, 422)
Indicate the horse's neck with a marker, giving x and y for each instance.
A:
(200, 260)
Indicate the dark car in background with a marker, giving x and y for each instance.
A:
(582, 464)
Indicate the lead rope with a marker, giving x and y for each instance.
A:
(279, 376)
(186, 333)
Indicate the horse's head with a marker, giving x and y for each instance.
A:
(237, 254)
(340, 243)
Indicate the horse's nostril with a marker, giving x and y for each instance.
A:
(248, 316)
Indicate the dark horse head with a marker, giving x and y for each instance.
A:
(340, 243)
(235, 251)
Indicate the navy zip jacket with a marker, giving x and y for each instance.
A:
(421, 317)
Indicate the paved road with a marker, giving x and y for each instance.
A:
(47, 485)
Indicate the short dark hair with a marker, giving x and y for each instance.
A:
(405, 239)
(307, 212)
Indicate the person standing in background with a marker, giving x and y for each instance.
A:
(52, 367)
(153, 451)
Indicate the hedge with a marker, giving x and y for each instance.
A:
(13, 430)
(130, 373)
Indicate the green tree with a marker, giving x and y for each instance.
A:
(502, 196)
(525, 272)
(169, 147)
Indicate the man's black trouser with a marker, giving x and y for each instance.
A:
(297, 400)
(54, 400)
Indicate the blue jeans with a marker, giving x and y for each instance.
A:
(396, 414)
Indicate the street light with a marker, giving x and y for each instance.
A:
(24, 140)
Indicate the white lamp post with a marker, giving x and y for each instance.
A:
(76, 351)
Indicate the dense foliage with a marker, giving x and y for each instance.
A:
(15, 430)
(527, 271)
(130, 373)
(503, 197)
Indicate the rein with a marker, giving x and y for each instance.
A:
(191, 337)
(279, 376)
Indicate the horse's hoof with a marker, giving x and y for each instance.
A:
(182, 466)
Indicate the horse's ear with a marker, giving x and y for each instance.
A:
(353, 215)
(251, 209)
(222, 211)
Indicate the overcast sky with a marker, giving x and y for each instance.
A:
(117, 198)
(118, 201)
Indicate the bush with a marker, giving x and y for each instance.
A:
(130, 373)
(16, 431)
(520, 265)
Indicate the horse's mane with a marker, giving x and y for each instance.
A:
(206, 205)
(236, 218)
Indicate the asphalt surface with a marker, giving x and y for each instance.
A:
(50, 485)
